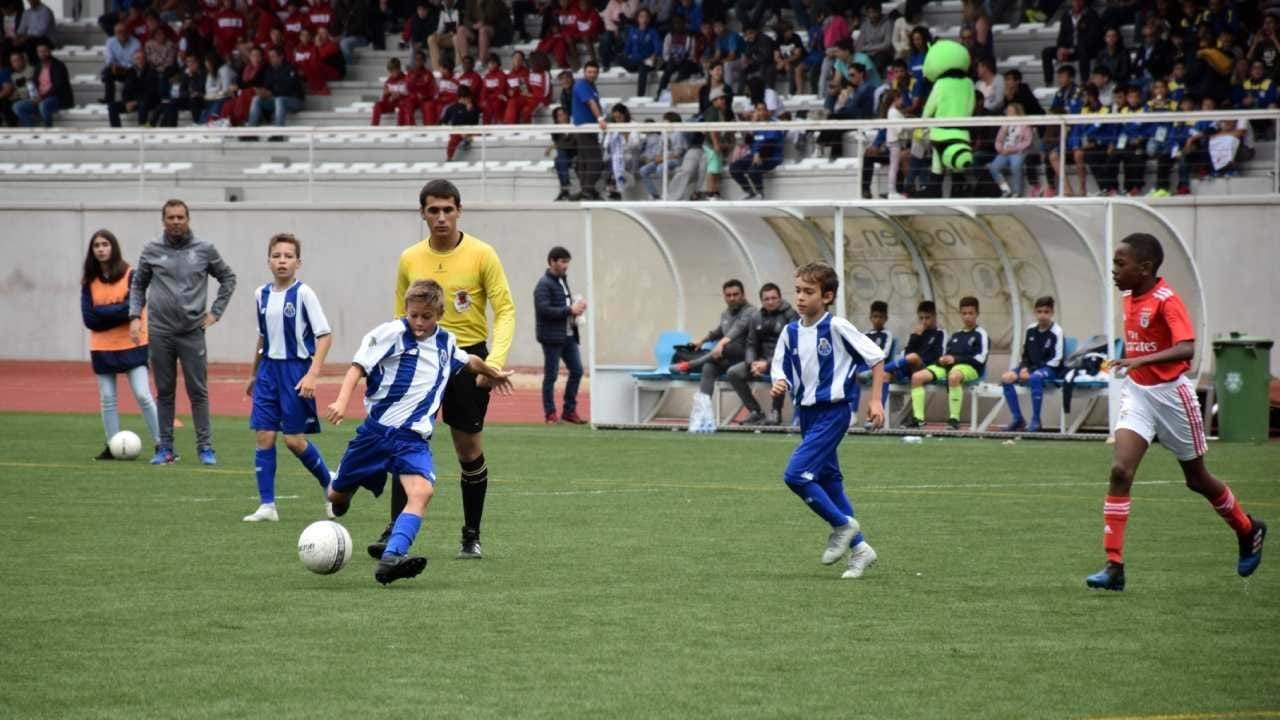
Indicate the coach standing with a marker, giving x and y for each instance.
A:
(557, 332)
(172, 281)
(473, 279)
(586, 110)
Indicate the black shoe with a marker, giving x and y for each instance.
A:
(755, 418)
(615, 196)
(913, 423)
(1110, 577)
(564, 195)
(340, 508)
(398, 567)
(750, 196)
(775, 418)
(105, 454)
(276, 138)
(1251, 548)
(470, 547)
(589, 195)
(377, 548)
(953, 424)
(248, 138)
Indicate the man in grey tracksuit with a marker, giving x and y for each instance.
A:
(729, 336)
(766, 326)
(172, 281)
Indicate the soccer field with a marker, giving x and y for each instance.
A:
(647, 575)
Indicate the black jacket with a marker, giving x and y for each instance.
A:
(765, 329)
(61, 82)
(551, 308)
(1156, 61)
(1088, 37)
(142, 86)
(283, 81)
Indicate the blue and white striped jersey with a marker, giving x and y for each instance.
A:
(406, 377)
(289, 321)
(818, 361)
(884, 339)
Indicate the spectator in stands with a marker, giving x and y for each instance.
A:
(293, 25)
(670, 157)
(788, 58)
(677, 55)
(8, 94)
(396, 97)
(1079, 38)
(306, 60)
(974, 18)
(715, 81)
(10, 18)
(1130, 154)
(419, 28)
(728, 51)
(191, 82)
(329, 61)
(758, 91)
(615, 17)
(911, 15)
(884, 148)
(1159, 142)
(1114, 56)
(442, 22)
(565, 81)
(533, 92)
(758, 56)
(690, 13)
(718, 143)
(641, 49)
(36, 24)
(219, 85)
(353, 19)
(558, 24)
(1098, 145)
(488, 25)
(1012, 142)
(764, 155)
(557, 314)
(566, 149)
(282, 91)
(619, 148)
(989, 86)
(160, 48)
(493, 91)
(1264, 47)
(1101, 79)
(1069, 99)
(1153, 58)
(1258, 92)
(1189, 145)
(750, 13)
(729, 336)
(422, 89)
(117, 57)
(763, 330)
(1228, 145)
(690, 174)
(586, 111)
(236, 110)
(468, 77)
(52, 88)
(834, 30)
(661, 11)
(462, 113)
(320, 14)
(586, 31)
(228, 27)
(446, 89)
(875, 35)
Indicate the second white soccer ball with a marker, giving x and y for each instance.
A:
(324, 547)
(125, 445)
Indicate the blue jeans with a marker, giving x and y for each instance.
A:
(1012, 163)
(749, 175)
(26, 111)
(349, 43)
(213, 108)
(551, 355)
(564, 163)
(141, 392)
(650, 174)
(281, 106)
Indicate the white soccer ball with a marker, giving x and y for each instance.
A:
(125, 445)
(324, 547)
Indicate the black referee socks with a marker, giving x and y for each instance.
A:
(475, 483)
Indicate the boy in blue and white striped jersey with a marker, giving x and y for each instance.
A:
(293, 340)
(816, 359)
(406, 364)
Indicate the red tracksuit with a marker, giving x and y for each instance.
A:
(396, 97)
(321, 15)
(228, 27)
(558, 42)
(522, 107)
(446, 95)
(293, 26)
(493, 96)
(307, 61)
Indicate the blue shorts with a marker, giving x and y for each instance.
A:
(822, 427)
(276, 404)
(377, 450)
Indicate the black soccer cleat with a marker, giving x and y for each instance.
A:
(105, 454)
(470, 547)
(1110, 577)
(376, 549)
(913, 423)
(953, 424)
(1251, 548)
(398, 567)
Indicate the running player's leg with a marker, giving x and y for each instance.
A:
(1134, 432)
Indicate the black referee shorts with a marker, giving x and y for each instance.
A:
(465, 403)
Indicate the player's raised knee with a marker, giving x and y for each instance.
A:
(955, 378)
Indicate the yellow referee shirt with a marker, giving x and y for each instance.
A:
(472, 277)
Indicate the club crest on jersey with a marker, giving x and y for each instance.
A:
(290, 310)
(444, 357)
(462, 301)
(824, 347)
(1144, 318)
(192, 256)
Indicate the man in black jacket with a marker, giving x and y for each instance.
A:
(557, 331)
(1079, 39)
(282, 90)
(766, 327)
(53, 89)
(140, 93)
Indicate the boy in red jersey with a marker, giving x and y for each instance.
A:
(1157, 400)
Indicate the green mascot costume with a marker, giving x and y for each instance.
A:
(947, 67)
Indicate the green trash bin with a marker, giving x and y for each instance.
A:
(1242, 381)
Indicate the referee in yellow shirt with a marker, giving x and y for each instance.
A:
(473, 279)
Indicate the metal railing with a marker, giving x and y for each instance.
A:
(483, 135)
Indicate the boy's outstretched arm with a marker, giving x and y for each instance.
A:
(338, 408)
(499, 380)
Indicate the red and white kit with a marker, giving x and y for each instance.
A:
(1159, 401)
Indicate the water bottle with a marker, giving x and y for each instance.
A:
(581, 318)
(912, 439)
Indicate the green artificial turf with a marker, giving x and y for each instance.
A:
(631, 575)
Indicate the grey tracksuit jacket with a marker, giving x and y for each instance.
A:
(172, 280)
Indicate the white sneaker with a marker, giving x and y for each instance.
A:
(860, 558)
(328, 506)
(838, 542)
(265, 512)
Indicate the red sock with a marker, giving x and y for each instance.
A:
(1230, 510)
(1115, 515)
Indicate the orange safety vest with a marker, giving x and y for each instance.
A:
(117, 338)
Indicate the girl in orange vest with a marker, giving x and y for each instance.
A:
(104, 305)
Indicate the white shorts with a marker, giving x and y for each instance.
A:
(1169, 411)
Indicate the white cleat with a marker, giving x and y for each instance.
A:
(328, 511)
(328, 506)
(860, 558)
(266, 512)
(838, 542)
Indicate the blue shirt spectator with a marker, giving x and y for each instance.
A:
(642, 43)
(584, 91)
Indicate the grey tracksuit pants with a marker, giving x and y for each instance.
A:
(166, 351)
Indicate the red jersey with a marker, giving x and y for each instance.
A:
(293, 26)
(422, 84)
(447, 89)
(1154, 322)
(494, 84)
(472, 80)
(228, 26)
(586, 22)
(303, 58)
(321, 15)
(516, 77)
(395, 85)
(539, 84)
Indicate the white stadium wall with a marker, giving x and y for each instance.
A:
(349, 255)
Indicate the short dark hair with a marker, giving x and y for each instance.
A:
(287, 238)
(558, 253)
(1044, 301)
(927, 306)
(1147, 249)
(733, 282)
(591, 63)
(1014, 74)
(880, 306)
(988, 63)
(822, 274)
(1070, 70)
(439, 189)
(1102, 70)
(769, 286)
(174, 202)
(969, 301)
